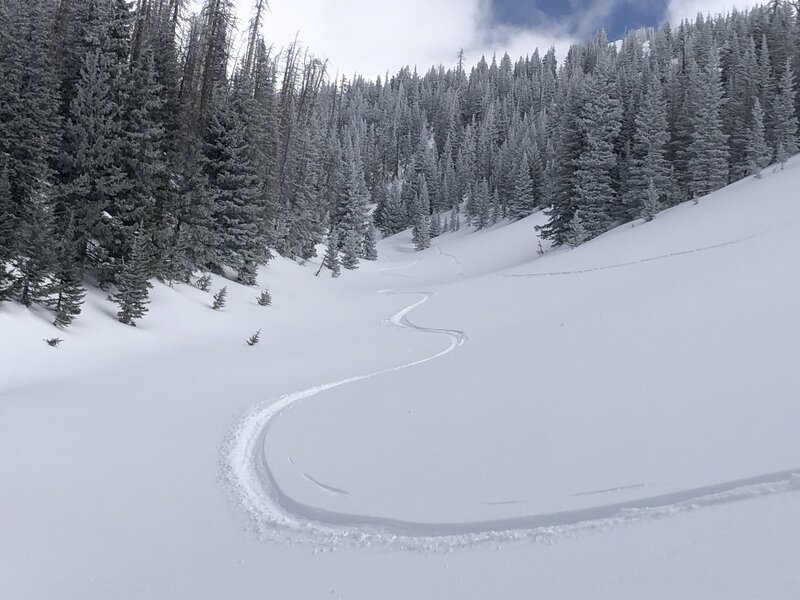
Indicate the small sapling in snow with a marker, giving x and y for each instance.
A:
(264, 299)
(54, 342)
(254, 339)
(219, 298)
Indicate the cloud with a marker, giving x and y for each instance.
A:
(371, 37)
(678, 10)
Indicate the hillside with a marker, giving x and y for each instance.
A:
(618, 420)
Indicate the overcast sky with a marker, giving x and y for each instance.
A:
(372, 36)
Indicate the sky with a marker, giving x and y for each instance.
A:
(371, 37)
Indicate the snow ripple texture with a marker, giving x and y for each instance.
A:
(279, 517)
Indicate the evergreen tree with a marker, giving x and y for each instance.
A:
(233, 189)
(577, 233)
(651, 202)
(133, 286)
(522, 200)
(331, 260)
(600, 123)
(708, 166)
(651, 168)
(220, 298)
(420, 232)
(264, 298)
(482, 204)
(370, 248)
(759, 154)
(436, 225)
(785, 117)
(68, 282)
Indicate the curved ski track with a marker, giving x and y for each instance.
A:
(279, 516)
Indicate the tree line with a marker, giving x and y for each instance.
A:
(136, 144)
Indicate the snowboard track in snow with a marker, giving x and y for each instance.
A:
(280, 517)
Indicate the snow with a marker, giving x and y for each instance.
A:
(472, 421)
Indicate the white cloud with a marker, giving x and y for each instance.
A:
(372, 36)
(688, 9)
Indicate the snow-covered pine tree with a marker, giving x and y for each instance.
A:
(352, 206)
(651, 169)
(220, 298)
(577, 234)
(522, 200)
(369, 250)
(785, 116)
(759, 154)
(708, 165)
(264, 298)
(233, 189)
(600, 123)
(651, 203)
(420, 231)
(29, 136)
(482, 207)
(331, 260)
(133, 286)
(67, 280)
(436, 225)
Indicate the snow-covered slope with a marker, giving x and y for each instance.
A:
(618, 420)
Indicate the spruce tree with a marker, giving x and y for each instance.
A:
(420, 231)
(232, 185)
(759, 154)
(264, 298)
(522, 200)
(331, 260)
(600, 123)
(651, 202)
(576, 234)
(482, 205)
(68, 282)
(133, 285)
(650, 165)
(220, 298)
(785, 117)
(708, 167)
(370, 248)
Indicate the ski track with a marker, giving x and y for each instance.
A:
(280, 517)
(648, 259)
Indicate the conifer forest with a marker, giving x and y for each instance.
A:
(137, 144)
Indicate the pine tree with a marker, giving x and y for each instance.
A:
(420, 231)
(233, 189)
(708, 167)
(600, 123)
(759, 154)
(71, 295)
(7, 223)
(134, 285)
(264, 298)
(370, 248)
(331, 260)
(577, 234)
(220, 298)
(254, 339)
(522, 200)
(651, 202)
(650, 166)
(30, 130)
(482, 205)
(785, 117)
(436, 225)
(68, 282)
